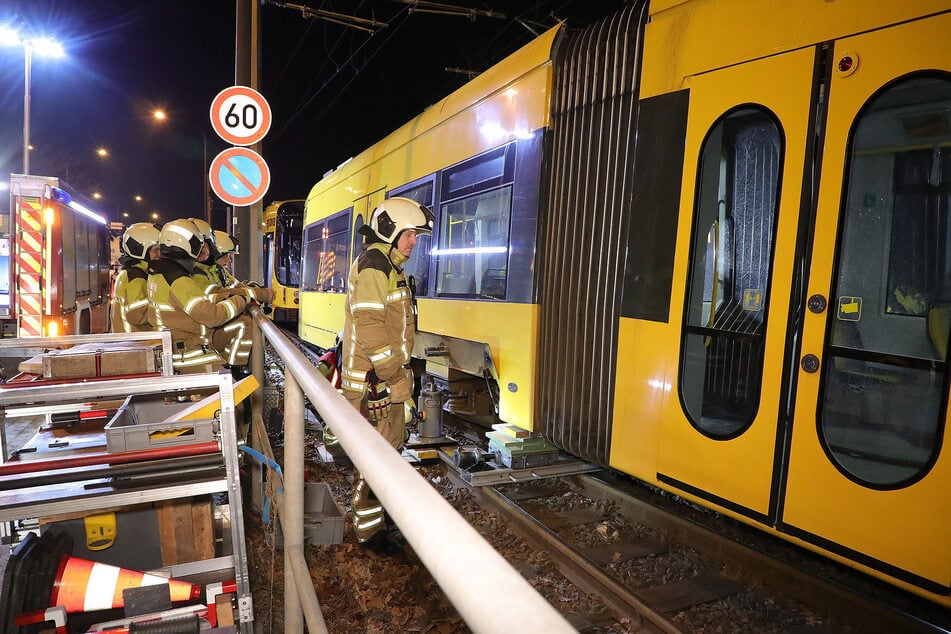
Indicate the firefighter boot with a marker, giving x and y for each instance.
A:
(367, 511)
(333, 447)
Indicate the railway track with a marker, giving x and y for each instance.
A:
(660, 572)
(670, 574)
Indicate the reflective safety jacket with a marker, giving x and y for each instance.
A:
(177, 301)
(222, 284)
(379, 324)
(129, 310)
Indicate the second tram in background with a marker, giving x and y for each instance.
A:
(283, 222)
(704, 243)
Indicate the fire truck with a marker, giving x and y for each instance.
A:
(54, 261)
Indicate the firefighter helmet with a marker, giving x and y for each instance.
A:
(138, 238)
(182, 234)
(205, 229)
(226, 243)
(394, 215)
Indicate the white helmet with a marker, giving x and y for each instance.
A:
(138, 238)
(182, 234)
(394, 215)
(226, 243)
(205, 229)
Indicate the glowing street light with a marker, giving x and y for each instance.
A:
(43, 46)
(161, 117)
(103, 152)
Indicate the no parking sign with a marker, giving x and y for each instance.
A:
(239, 176)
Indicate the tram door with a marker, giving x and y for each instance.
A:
(748, 126)
(866, 467)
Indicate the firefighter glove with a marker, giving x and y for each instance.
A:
(378, 405)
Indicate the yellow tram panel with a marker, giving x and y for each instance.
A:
(684, 39)
(510, 330)
(647, 360)
(325, 309)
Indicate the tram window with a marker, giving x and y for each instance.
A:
(473, 245)
(886, 368)
(730, 265)
(418, 264)
(487, 170)
(326, 254)
(287, 237)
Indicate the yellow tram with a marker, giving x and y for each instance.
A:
(706, 244)
(282, 257)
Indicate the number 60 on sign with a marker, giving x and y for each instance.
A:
(240, 115)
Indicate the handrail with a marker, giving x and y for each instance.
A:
(491, 596)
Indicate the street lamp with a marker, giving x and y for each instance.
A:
(159, 115)
(43, 46)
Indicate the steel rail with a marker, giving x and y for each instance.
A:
(579, 569)
(492, 596)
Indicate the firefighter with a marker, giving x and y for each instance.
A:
(177, 301)
(220, 282)
(227, 249)
(130, 302)
(237, 334)
(379, 327)
(205, 266)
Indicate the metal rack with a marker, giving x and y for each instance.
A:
(26, 347)
(62, 499)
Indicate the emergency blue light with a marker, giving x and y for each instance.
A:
(60, 195)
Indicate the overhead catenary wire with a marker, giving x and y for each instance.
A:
(488, 53)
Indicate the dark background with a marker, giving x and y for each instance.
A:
(333, 90)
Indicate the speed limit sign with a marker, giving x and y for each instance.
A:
(240, 115)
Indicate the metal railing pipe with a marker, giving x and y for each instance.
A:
(489, 594)
(292, 512)
(300, 575)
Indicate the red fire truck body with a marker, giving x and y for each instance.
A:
(58, 261)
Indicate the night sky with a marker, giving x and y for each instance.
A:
(333, 90)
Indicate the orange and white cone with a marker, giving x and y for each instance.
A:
(84, 586)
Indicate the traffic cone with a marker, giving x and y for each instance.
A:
(83, 586)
